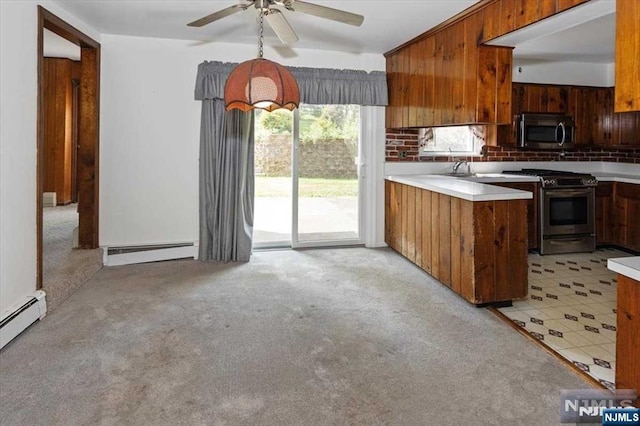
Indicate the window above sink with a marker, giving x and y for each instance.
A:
(451, 141)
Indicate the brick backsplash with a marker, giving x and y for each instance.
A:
(402, 145)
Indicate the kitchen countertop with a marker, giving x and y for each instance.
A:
(465, 188)
(617, 177)
(627, 266)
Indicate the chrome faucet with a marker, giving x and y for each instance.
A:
(457, 165)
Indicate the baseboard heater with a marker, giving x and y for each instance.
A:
(17, 320)
(127, 255)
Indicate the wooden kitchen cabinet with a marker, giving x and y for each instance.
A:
(533, 236)
(593, 114)
(478, 249)
(604, 213)
(429, 84)
(627, 215)
(626, 129)
(628, 330)
(627, 96)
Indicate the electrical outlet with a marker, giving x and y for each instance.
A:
(402, 154)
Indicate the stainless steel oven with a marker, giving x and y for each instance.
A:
(566, 210)
(567, 217)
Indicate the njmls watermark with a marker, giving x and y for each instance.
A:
(589, 405)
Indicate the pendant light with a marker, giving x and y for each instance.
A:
(261, 83)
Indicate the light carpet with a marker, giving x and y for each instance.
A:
(64, 269)
(317, 337)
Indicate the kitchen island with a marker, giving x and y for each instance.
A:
(470, 236)
(628, 322)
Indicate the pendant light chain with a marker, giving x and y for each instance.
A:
(261, 39)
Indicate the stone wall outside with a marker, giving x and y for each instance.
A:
(329, 159)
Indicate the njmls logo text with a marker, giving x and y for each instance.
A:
(588, 406)
(621, 417)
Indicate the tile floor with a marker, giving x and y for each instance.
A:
(571, 308)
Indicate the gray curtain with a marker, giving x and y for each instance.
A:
(317, 85)
(226, 171)
(226, 149)
(226, 183)
(323, 86)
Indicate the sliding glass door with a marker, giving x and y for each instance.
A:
(309, 160)
(326, 205)
(274, 184)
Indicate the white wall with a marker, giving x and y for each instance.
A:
(150, 126)
(18, 112)
(571, 73)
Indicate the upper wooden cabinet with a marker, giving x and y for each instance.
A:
(447, 77)
(627, 56)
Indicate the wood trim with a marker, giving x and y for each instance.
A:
(89, 133)
(584, 376)
(64, 30)
(471, 10)
(88, 147)
(39, 146)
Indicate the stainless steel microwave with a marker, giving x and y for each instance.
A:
(545, 131)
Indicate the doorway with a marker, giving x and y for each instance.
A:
(307, 177)
(83, 182)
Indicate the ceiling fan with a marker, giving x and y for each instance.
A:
(276, 20)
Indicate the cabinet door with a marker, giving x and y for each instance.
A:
(394, 100)
(627, 211)
(626, 129)
(604, 216)
(627, 56)
(532, 209)
(416, 83)
(604, 117)
(558, 99)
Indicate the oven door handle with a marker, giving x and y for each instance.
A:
(564, 241)
(564, 133)
(566, 193)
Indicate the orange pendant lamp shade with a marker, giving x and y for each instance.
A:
(263, 84)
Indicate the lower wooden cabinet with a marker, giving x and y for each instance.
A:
(618, 214)
(627, 342)
(533, 236)
(627, 215)
(478, 249)
(604, 213)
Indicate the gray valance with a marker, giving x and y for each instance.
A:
(317, 85)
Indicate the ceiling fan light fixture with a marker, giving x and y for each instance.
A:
(261, 84)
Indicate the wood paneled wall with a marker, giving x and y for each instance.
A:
(58, 118)
(592, 108)
(478, 249)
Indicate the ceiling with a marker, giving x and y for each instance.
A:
(387, 24)
(591, 42)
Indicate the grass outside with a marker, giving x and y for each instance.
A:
(308, 187)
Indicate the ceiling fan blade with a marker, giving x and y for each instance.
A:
(324, 12)
(281, 26)
(219, 15)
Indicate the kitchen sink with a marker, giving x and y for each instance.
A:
(459, 174)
